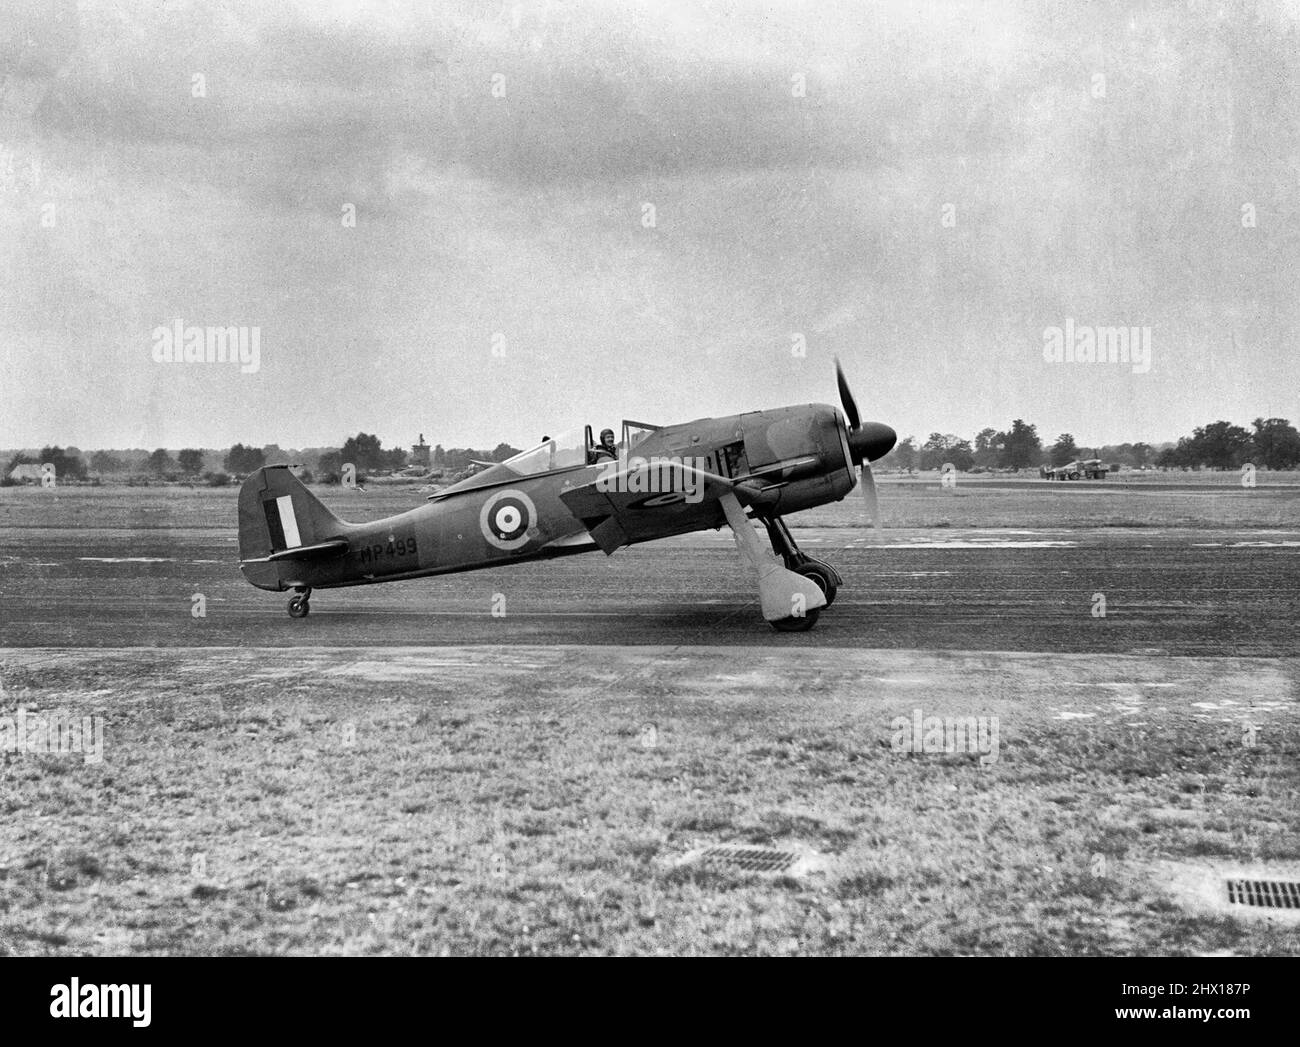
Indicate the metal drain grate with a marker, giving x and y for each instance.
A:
(1265, 894)
(750, 859)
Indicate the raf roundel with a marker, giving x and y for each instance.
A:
(507, 518)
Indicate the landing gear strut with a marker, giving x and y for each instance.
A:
(299, 607)
(826, 577)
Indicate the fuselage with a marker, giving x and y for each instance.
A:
(783, 460)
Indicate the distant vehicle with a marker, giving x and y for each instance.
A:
(1084, 469)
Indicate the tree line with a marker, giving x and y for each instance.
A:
(1018, 447)
(1271, 443)
(365, 451)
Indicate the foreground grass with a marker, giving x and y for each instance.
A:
(514, 802)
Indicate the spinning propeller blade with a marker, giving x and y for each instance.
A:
(868, 441)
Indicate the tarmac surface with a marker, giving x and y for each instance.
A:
(1175, 592)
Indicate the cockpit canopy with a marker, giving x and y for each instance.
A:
(557, 452)
(570, 449)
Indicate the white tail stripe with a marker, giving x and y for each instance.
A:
(289, 522)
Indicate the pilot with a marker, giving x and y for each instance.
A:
(606, 448)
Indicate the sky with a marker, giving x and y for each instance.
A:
(486, 222)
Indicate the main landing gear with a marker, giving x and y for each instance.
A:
(299, 607)
(827, 578)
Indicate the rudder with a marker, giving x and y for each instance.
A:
(278, 513)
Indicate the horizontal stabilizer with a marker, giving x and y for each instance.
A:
(334, 547)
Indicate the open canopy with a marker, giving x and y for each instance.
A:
(569, 450)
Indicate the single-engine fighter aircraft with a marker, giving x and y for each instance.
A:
(568, 495)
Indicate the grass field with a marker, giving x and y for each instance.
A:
(511, 801)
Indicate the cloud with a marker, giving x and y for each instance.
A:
(777, 210)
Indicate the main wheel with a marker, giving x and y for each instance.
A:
(797, 625)
(299, 607)
(822, 575)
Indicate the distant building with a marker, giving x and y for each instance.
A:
(27, 472)
(420, 453)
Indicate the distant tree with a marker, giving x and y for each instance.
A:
(1172, 457)
(903, 456)
(394, 458)
(1277, 443)
(458, 458)
(364, 451)
(330, 467)
(931, 453)
(1064, 450)
(1120, 454)
(14, 462)
(1021, 447)
(161, 463)
(1220, 445)
(103, 462)
(190, 461)
(942, 448)
(242, 460)
(988, 446)
(438, 455)
(65, 464)
(961, 455)
(216, 479)
(274, 454)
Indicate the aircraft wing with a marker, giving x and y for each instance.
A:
(648, 501)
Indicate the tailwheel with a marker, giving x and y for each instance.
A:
(299, 607)
(797, 625)
(823, 574)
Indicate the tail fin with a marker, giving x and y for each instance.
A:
(277, 514)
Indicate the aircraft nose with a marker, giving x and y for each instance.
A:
(871, 441)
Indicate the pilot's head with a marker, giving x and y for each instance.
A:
(607, 437)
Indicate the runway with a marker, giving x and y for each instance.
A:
(1178, 592)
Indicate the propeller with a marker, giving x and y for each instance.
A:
(868, 441)
(846, 397)
(870, 497)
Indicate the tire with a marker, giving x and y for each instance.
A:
(797, 625)
(822, 575)
(299, 607)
